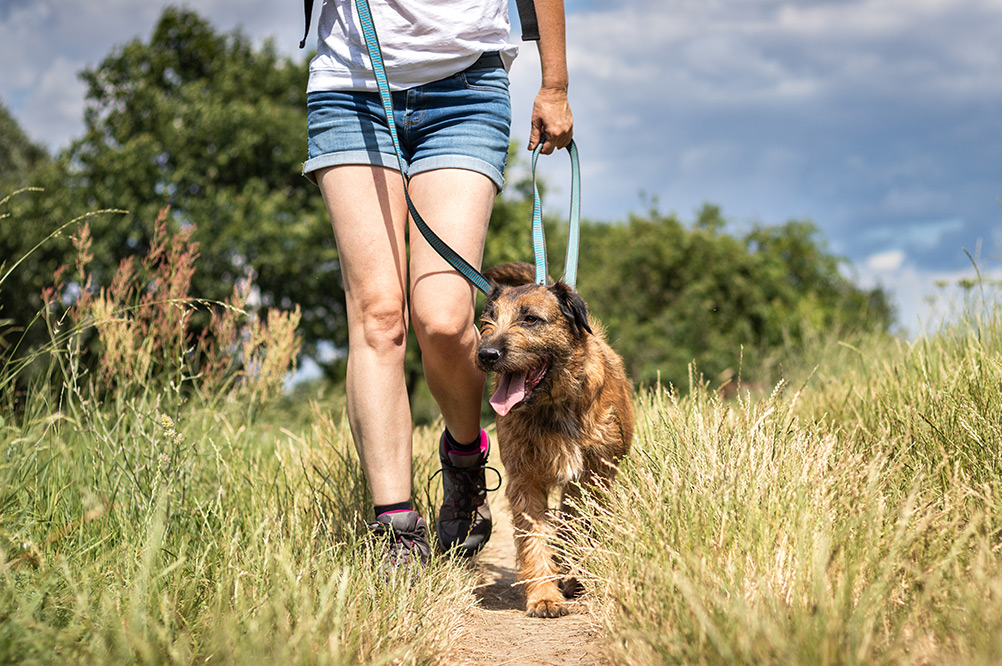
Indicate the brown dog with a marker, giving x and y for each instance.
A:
(565, 416)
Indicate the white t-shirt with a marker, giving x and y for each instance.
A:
(421, 40)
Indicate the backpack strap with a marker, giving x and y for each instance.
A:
(527, 17)
(309, 14)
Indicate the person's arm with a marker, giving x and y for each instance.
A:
(551, 112)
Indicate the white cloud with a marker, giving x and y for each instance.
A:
(44, 44)
(883, 262)
(927, 299)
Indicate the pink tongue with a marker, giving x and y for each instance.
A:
(510, 392)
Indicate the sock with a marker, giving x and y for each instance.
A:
(380, 509)
(456, 447)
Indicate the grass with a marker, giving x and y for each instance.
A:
(162, 501)
(853, 518)
(131, 536)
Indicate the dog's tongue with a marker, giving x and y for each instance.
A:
(510, 392)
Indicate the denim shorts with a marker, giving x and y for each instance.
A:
(462, 121)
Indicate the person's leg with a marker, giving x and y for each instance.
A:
(456, 204)
(369, 214)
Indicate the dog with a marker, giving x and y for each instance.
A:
(564, 413)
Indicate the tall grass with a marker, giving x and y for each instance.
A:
(161, 500)
(219, 545)
(853, 518)
(158, 504)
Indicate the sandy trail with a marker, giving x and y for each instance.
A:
(497, 631)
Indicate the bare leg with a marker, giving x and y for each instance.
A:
(369, 214)
(456, 204)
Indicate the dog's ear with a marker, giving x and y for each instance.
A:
(573, 307)
(511, 275)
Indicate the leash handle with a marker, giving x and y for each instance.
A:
(574, 224)
(379, 70)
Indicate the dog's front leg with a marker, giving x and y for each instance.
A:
(537, 570)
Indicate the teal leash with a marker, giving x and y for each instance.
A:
(574, 225)
(440, 246)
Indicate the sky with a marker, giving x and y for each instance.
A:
(879, 120)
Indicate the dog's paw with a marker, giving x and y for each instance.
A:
(545, 608)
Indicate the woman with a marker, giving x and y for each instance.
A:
(447, 64)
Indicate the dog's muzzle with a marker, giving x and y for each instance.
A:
(514, 387)
(488, 356)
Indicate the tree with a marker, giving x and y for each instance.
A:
(214, 129)
(19, 158)
(669, 295)
(19, 155)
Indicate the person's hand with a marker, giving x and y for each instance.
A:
(552, 120)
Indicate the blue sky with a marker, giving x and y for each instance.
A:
(877, 119)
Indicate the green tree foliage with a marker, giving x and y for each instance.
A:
(669, 294)
(214, 128)
(19, 158)
(18, 154)
(509, 237)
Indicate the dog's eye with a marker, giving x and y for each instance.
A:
(530, 320)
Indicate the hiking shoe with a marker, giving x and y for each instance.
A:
(405, 539)
(464, 520)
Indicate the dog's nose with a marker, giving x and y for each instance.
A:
(488, 355)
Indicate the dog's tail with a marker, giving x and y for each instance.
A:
(513, 274)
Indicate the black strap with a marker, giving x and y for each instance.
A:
(309, 15)
(527, 16)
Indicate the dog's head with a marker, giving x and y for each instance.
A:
(528, 332)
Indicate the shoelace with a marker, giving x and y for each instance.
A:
(400, 543)
(467, 485)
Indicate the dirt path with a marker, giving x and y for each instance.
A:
(499, 632)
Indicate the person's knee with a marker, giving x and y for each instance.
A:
(384, 327)
(444, 332)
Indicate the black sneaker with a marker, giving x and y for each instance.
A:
(405, 539)
(464, 521)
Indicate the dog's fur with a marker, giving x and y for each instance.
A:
(573, 424)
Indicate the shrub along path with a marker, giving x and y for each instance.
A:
(497, 630)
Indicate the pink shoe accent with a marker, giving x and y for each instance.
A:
(393, 511)
(482, 451)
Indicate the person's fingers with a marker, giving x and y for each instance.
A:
(535, 133)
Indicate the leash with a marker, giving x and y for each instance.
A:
(457, 262)
(574, 224)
